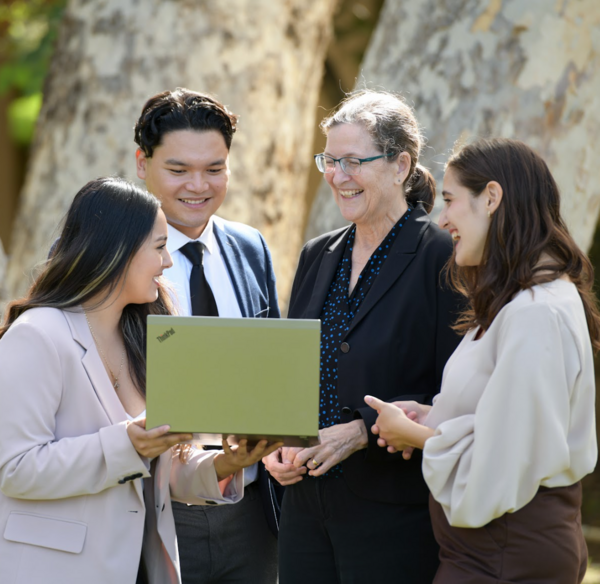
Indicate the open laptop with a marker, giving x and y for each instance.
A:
(234, 378)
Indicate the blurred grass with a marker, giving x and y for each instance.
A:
(592, 576)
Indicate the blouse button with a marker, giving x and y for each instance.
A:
(345, 347)
(346, 410)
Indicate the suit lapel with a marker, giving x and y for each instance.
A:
(235, 266)
(329, 263)
(403, 252)
(94, 367)
(98, 377)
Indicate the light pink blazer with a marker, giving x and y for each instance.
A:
(68, 513)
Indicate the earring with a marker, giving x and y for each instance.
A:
(489, 214)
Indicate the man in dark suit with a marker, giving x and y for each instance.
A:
(220, 268)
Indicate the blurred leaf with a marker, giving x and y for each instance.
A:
(28, 29)
(22, 115)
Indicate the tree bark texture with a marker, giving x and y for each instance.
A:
(528, 70)
(263, 59)
(2, 276)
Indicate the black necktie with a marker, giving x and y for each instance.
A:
(203, 300)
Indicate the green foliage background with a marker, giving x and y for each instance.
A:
(28, 29)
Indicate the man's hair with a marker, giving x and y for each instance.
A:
(181, 109)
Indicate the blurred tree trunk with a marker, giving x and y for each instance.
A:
(353, 26)
(263, 59)
(12, 168)
(2, 274)
(479, 68)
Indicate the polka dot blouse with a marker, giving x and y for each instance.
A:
(336, 317)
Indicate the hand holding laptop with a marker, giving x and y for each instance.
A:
(252, 379)
(152, 443)
(238, 457)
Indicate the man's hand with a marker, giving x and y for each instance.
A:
(231, 460)
(280, 466)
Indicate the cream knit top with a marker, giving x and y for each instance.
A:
(516, 409)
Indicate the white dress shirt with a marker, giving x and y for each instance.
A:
(516, 409)
(217, 277)
(215, 272)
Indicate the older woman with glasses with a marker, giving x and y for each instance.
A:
(353, 512)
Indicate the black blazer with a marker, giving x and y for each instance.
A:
(396, 347)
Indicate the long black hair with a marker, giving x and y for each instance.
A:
(107, 223)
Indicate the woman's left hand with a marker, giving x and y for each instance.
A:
(152, 443)
(337, 443)
(231, 460)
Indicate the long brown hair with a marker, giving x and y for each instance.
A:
(526, 225)
(107, 223)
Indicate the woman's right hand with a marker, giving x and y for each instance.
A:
(152, 443)
(414, 411)
(396, 428)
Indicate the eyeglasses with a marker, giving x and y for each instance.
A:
(348, 164)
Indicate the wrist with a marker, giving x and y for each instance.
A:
(223, 467)
(361, 438)
(419, 435)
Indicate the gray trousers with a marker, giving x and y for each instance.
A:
(226, 543)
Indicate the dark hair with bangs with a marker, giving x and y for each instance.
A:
(107, 223)
(181, 109)
(526, 225)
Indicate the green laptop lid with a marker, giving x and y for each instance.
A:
(244, 377)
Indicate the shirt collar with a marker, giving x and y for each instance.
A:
(177, 239)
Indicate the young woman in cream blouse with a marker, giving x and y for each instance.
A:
(74, 449)
(512, 432)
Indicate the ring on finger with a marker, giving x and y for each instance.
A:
(315, 463)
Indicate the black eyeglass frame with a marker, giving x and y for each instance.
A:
(342, 164)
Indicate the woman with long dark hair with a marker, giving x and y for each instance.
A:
(512, 432)
(85, 488)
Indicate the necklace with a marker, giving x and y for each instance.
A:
(103, 356)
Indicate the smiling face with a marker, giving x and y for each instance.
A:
(465, 216)
(188, 172)
(375, 194)
(147, 265)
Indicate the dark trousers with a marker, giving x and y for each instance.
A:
(328, 535)
(539, 543)
(226, 543)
